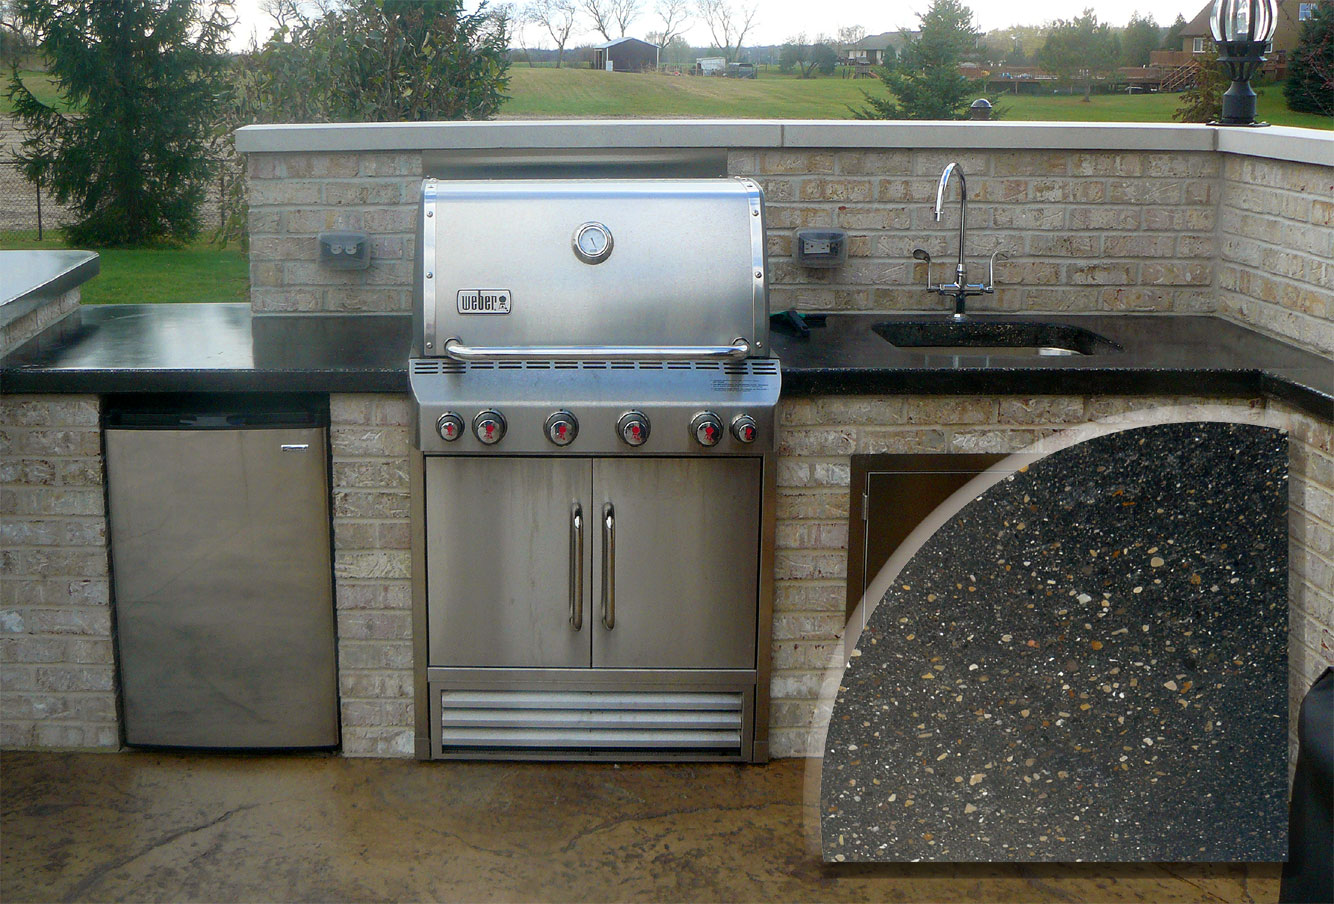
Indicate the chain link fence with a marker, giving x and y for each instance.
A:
(26, 208)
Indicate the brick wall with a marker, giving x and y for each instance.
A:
(56, 665)
(294, 197)
(818, 436)
(57, 670)
(22, 329)
(1276, 254)
(1085, 231)
(1310, 553)
(369, 436)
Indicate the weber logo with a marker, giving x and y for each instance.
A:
(484, 301)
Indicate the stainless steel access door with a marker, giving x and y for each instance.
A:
(224, 604)
(676, 571)
(507, 561)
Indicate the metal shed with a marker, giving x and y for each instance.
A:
(625, 55)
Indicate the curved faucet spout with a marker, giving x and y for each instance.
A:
(960, 270)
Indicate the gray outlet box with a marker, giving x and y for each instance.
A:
(345, 250)
(820, 247)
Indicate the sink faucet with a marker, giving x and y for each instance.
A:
(960, 289)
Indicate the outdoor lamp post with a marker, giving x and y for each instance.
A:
(1241, 29)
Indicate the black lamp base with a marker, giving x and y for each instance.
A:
(1234, 125)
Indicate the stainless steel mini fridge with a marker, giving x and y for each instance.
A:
(221, 575)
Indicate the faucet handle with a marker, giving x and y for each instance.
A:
(991, 270)
(920, 254)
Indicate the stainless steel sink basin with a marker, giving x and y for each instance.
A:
(1013, 338)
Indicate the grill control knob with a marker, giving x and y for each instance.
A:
(707, 429)
(744, 428)
(562, 428)
(450, 426)
(489, 426)
(633, 428)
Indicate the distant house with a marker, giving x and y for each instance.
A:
(625, 55)
(872, 49)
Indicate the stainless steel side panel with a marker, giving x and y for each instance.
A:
(224, 611)
(687, 547)
(498, 561)
(686, 266)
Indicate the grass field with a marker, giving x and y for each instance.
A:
(588, 93)
(545, 92)
(197, 273)
(39, 83)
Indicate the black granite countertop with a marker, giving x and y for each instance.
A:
(1160, 354)
(221, 348)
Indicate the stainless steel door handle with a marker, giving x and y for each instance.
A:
(577, 567)
(608, 566)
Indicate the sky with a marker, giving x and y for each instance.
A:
(780, 19)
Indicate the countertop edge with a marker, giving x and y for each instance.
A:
(797, 382)
(49, 289)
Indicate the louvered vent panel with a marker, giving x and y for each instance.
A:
(591, 721)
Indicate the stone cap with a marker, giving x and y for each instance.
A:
(1276, 142)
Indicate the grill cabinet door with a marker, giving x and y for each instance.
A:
(500, 554)
(686, 553)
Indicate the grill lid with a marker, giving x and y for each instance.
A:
(649, 268)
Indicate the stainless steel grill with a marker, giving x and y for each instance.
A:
(595, 416)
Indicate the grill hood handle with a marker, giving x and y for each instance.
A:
(454, 348)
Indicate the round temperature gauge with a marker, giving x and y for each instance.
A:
(592, 243)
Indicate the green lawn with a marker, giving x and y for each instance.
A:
(585, 92)
(198, 273)
(39, 83)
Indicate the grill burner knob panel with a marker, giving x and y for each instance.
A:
(449, 426)
(706, 428)
(744, 428)
(633, 428)
(489, 426)
(562, 427)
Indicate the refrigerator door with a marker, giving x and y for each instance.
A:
(224, 610)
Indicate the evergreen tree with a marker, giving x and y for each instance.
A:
(1080, 50)
(924, 82)
(1203, 101)
(1172, 37)
(1310, 85)
(144, 76)
(1138, 39)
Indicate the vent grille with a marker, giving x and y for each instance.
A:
(738, 368)
(590, 721)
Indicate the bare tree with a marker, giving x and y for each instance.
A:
(675, 16)
(600, 12)
(625, 11)
(849, 35)
(728, 24)
(610, 15)
(557, 17)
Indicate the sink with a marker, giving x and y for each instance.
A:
(1013, 338)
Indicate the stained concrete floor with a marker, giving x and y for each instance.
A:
(166, 827)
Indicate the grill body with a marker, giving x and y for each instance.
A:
(593, 488)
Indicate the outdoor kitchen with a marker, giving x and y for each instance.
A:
(592, 394)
